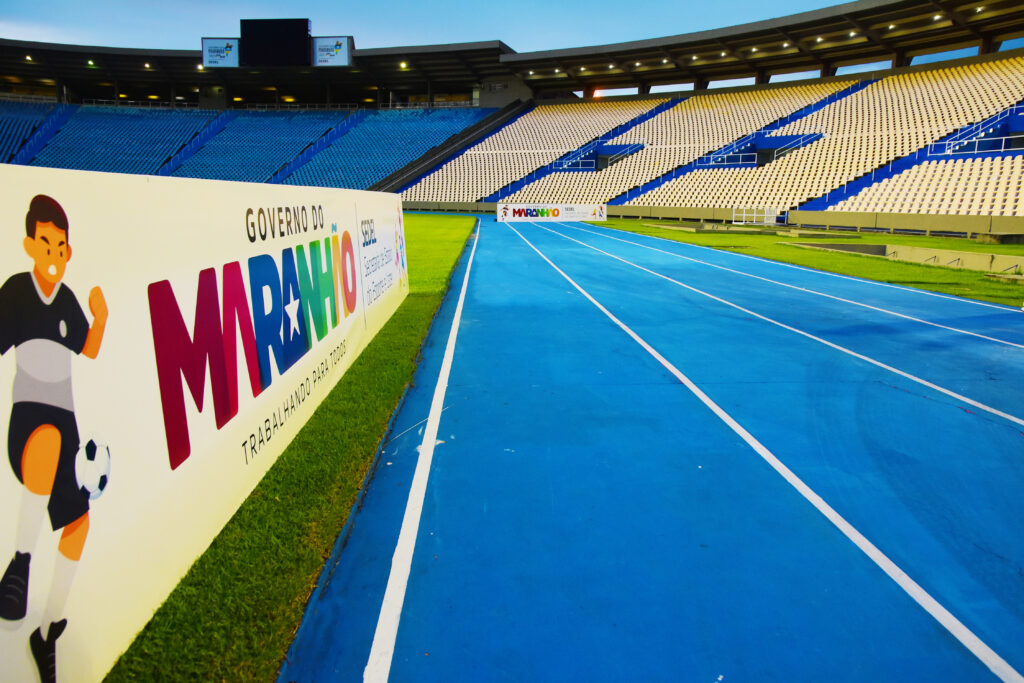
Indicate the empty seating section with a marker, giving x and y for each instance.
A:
(533, 140)
(862, 132)
(382, 143)
(867, 130)
(688, 131)
(17, 121)
(257, 143)
(974, 186)
(121, 139)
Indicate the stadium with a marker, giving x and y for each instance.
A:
(691, 358)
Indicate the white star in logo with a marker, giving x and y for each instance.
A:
(292, 309)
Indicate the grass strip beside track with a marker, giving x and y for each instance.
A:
(966, 283)
(235, 613)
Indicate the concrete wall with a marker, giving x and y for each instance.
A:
(909, 221)
(497, 92)
(982, 226)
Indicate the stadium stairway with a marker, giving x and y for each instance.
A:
(59, 116)
(564, 162)
(948, 147)
(437, 156)
(315, 147)
(196, 143)
(730, 155)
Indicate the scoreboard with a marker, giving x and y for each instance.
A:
(274, 42)
(277, 43)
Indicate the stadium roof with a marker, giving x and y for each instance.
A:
(137, 74)
(858, 32)
(821, 40)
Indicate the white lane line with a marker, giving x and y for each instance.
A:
(378, 666)
(902, 288)
(979, 649)
(837, 347)
(801, 289)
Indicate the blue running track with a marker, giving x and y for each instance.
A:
(660, 462)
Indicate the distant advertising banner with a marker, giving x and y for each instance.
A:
(518, 213)
(333, 51)
(149, 382)
(220, 52)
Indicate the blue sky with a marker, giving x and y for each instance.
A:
(525, 25)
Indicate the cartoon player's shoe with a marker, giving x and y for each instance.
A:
(44, 650)
(14, 588)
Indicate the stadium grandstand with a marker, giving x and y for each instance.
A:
(846, 109)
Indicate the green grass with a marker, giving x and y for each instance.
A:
(965, 283)
(235, 613)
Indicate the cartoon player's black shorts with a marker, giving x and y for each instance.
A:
(67, 501)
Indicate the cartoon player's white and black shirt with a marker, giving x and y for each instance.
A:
(44, 331)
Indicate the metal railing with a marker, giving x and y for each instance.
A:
(978, 129)
(34, 99)
(802, 141)
(756, 215)
(151, 104)
(722, 159)
(981, 144)
(279, 106)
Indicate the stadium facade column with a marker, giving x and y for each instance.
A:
(900, 59)
(828, 70)
(644, 89)
(762, 77)
(700, 83)
(989, 45)
(588, 91)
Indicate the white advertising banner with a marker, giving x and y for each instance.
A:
(220, 52)
(517, 213)
(148, 383)
(333, 51)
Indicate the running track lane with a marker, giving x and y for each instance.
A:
(587, 518)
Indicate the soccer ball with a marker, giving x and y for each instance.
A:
(92, 468)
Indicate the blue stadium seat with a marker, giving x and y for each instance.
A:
(257, 143)
(121, 139)
(382, 143)
(17, 121)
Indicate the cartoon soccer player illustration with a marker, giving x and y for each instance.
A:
(44, 323)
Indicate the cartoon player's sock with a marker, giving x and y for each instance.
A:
(44, 650)
(14, 588)
(63, 575)
(30, 520)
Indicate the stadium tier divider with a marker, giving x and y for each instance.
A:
(435, 157)
(559, 163)
(196, 142)
(58, 116)
(730, 148)
(326, 140)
